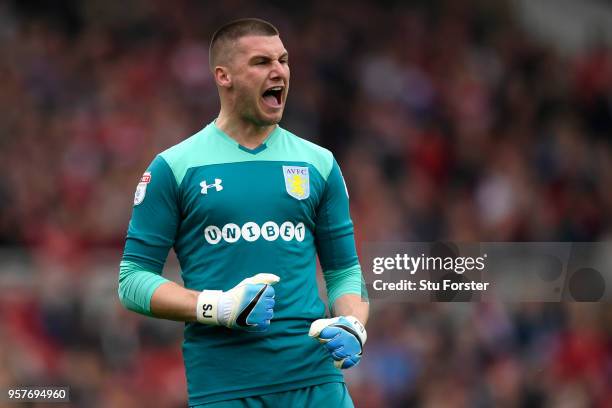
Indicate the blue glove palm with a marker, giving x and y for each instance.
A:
(343, 337)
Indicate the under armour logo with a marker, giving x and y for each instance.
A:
(217, 185)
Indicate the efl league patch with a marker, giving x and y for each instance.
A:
(141, 189)
(297, 182)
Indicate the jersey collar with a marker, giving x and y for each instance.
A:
(267, 142)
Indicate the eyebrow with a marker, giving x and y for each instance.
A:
(267, 57)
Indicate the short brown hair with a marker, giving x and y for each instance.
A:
(234, 30)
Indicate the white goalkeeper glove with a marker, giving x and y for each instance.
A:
(343, 337)
(247, 306)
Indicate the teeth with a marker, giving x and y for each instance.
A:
(276, 88)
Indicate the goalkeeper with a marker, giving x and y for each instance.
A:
(248, 206)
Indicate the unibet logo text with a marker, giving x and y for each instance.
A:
(250, 231)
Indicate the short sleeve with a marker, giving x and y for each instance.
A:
(155, 217)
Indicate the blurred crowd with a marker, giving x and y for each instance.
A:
(450, 122)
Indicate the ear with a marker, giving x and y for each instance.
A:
(222, 77)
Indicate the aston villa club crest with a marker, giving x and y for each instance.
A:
(297, 181)
(141, 189)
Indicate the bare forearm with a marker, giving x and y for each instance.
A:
(352, 305)
(174, 302)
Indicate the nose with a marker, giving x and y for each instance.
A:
(277, 71)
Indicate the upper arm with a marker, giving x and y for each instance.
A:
(155, 217)
(334, 228)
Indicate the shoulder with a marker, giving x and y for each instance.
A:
(183, 155)
(181, 151)
(304, 150)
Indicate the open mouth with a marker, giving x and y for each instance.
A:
(273, 96)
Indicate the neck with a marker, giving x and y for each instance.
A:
(244, 132)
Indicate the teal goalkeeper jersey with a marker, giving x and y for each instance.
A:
(231, 212)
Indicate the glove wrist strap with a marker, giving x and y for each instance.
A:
(208, 306)
(359, 328)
